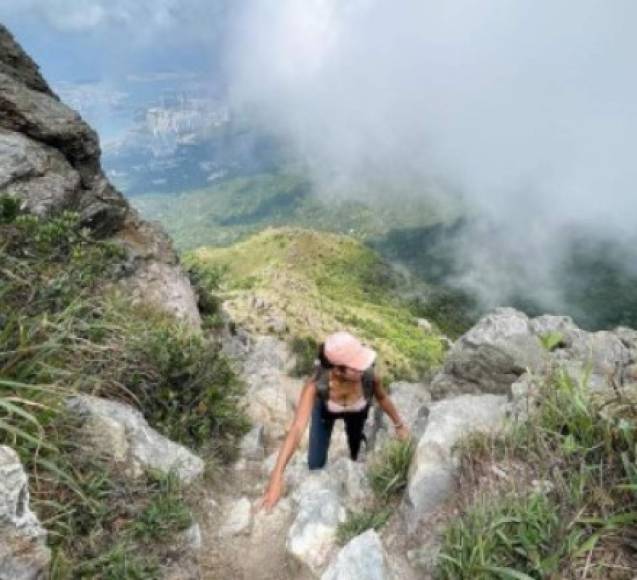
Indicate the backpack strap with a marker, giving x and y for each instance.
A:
(322, 379)
(368, 384)
(323, 387)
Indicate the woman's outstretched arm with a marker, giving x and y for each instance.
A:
(290, 444)
(387, 405)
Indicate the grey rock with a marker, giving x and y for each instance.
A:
(252, 444)
(547, 323)
(349, 479)
(192, 538)
(524, 394)
(121, 432)
(295, 473)
(266, 358)
(166, 285)
(362, 558)
(312, 536)
(46, 119)
(270, 407)
(23, 551)
(628, 336)
(237, 518)
(17, 63)
(37, 174)
(411, 400)
(432, 473)
(491, 356)
(604, 350)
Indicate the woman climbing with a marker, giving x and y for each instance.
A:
(341, 388)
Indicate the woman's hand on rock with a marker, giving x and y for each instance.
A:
(403, 433)
(272, 496)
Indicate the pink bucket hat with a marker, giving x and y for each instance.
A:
(341, 348)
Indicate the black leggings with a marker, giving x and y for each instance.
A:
(321, 432)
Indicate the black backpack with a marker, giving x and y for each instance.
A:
(322, 377)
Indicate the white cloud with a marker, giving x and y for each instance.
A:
(145, 19)
(527, 108)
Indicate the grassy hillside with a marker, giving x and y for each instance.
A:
(64, 331)
(597, 275)
(303, 283)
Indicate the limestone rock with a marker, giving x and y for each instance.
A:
(251, 446)
(164, 284)
(270, 407)
(491, 355)
(605, 352)
(362, 558)
(16, 63)
(237, 518)
(120, 432)
(37, 174)
(411, 400)
(349, 480)
(312, 536)
(23, 551)
(433, 468)
(265, 358)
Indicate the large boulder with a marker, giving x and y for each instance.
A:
(312, 536)
(362, 558)
(506, 344)
(37, 173)
(50, 161)
(121, 433)
(263, 362)
(431, 477)
(23, 551)
(491, 356)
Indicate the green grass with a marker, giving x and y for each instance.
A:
(305, 351)
(318, 283)
(388, 472)
(583, 446)
(165, 514)
(120, 563)
(358, 522)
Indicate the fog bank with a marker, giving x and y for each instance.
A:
(526, 110)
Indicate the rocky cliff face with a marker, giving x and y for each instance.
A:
(50, 160)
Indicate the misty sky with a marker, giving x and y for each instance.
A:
(526, 109)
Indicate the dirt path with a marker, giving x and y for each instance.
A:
(257, 553)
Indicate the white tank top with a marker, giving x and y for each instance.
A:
(359, 405)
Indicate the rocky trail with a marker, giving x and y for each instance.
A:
(488, 378)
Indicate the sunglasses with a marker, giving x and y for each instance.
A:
(343, 369)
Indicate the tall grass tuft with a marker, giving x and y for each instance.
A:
(388, 472)
(582, 520)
